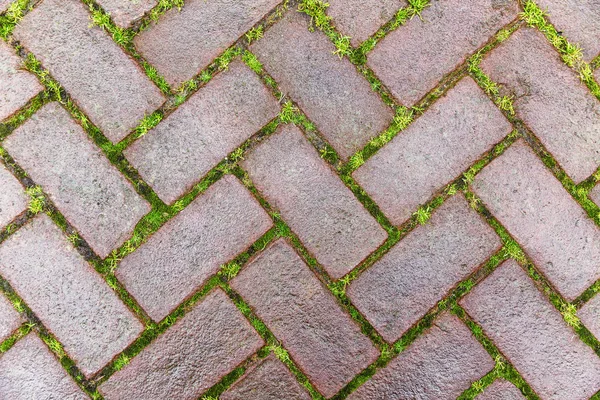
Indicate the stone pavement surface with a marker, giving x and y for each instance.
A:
(294, 199)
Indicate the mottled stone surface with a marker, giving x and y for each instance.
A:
(13, 200)
(4, 4)
(330, 90)
(536, 339)
(286, 295)
(9, 318)
(194, 354)
(326, 216)
(91, 193)
(590, 315)
(124, 12)
(501, 390)
(68, 296)
(108, 85)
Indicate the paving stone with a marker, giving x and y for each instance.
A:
(590, 315)
(91, 193)
(423, 267)
(413, 59)
(501, 390)
(67, 295)
(532, 334)
(176, 260)
(16, 85)
(124, 12)
(325, 215)
(4, 5)
(30, 371)
(433, 151)
(270, 380)
(439, 365)
(183, 42)
(217, 119)
(550, 99)
(327, 345)
(535, 208)
(13, 200)
(9, 319)
(331, 92)
(193, 355)
(107, 84)
(360, 19)
(578, 20)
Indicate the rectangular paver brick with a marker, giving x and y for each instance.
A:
(185, 41)
(501, 390)
(590, 315)
(91, 193)
(176, 154)
(193, 355)
(67, 295)
(13, 200)
(532, 334)
(330, 90)
(326, 216)
(327, 345)
(535, 208)
(418, 272)
(16, 85)
(550, 99)
(30, 371)
(176, 260)
(414, 58)
(269, 380)
(452, 134)
(107, 84)
(439, 365)
(124, 12)
(9, 318)
(4, 5)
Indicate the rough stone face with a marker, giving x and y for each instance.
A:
(4, 5)
(501, 390)
(413, 59)
(84, 185)
(535, 208)
(286, 295)
(108, 85)
(432, 151)
(176, 260)
(326, 216)
(270, 380)
(536, 339)
(173, 156)
(16, 86)
(30, 371)
(206, 344)
(420, 270)
(68, 296)
(550, 99)
(185, 41)
(590, 315)
(124, 12)
(9, 319)
(330, 91)
(439, 365)
(13, 200)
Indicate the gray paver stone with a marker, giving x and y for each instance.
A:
(501, 390)
(13, 200)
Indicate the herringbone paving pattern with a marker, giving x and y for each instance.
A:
(288, 199)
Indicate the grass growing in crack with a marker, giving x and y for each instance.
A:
(12, 16)
(254, 34)
(37, 200)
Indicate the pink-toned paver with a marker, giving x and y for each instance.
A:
(326, 216)
(176, 154)
(66, 294)
(595, 194)
(91, 193)
(439, 365)
(550, 99)
(16, 85)
(183, 42)
(501, 390)
(532, 334)
(124, 12)
(414, 58)
(13, 200)
(176, 260)
(328, 89)
(30, 371)
(194, 354)
(418, 272)
(4, 5)
(359, 19)
(269, 380)
(327, 345)
(590, 315)
(107, 84)
(451, 135)
(9, 318)
(535, 208)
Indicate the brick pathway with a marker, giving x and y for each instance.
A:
(269, 199)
